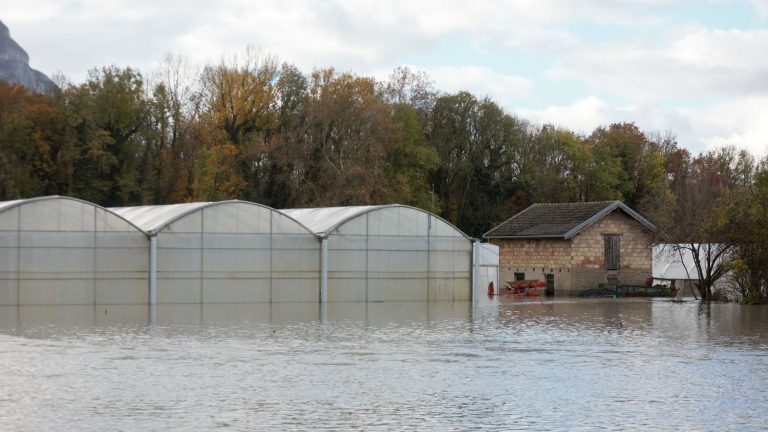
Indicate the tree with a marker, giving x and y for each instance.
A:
(712, 179)
(744, 220)
(107, 113)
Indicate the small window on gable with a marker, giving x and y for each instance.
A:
(612, 251)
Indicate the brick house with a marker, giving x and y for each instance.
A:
(575, 246)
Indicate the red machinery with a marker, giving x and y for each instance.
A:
(523, 288)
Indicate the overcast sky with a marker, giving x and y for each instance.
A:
(696, 68)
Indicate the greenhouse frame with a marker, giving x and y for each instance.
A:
(227, 252)
(389, 253)
(59, 250)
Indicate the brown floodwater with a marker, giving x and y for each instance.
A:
(501, 364)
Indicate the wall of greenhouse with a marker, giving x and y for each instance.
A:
(390, 253)
(487, 267)
(57, 250)
(228, 252)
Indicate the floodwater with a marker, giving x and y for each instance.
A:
(496, 365)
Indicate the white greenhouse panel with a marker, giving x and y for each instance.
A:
(398, 243)
(179, 260)
(109, 223)
(285, 225)
(121, 291)
(51, 239)
(236, 290)
(237, 241)
(396, 262)
(185, 241)
(9, 220)
(347, 242)
(121, 260)
(295, 290)
(356, 226)
(122, 240)
(296, 242)
(9, 289)
(191, 223)
(56, 291)
(384, 222)
(346, 261)
(236, 218)
(57, 261)
(296, 260)
(8, 260)
(346, 290)
(392, 289)
(236, 260)
(178, 291)
(58, 215)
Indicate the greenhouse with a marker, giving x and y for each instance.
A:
(227, 252)
(58, 250)
(389, 253)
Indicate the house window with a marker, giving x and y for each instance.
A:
(519, 276)
(612, 251)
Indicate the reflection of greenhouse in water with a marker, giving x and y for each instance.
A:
(58, 250)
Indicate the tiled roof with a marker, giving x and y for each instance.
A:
(559, 220)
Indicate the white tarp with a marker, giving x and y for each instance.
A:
(671, 263)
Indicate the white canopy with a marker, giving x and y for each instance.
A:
(671, 263)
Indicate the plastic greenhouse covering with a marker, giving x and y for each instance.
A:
(59, 250)
(392, 252)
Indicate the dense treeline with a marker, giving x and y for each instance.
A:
(257, 130)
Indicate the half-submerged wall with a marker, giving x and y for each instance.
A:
(58, 250)
(229, 252)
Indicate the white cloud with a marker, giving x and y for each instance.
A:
(481, 81)
(74, 35)
(692, 63)
(740, 122)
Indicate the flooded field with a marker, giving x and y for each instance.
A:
(498, 365)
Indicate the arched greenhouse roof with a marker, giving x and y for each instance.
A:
(8, 205)
(324, 220)
(155, 218)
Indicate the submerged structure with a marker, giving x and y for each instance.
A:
(575, 246)
(58, 250)
(227, 252)
(389, 252)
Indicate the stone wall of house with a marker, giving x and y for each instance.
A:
(535, 253)
(588, 248)
(562, 277)
(535, 259)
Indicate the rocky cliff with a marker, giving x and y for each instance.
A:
(14, 65)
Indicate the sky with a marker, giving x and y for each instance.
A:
(698, 69)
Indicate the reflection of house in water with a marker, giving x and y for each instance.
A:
(575, 246)
(577, 314)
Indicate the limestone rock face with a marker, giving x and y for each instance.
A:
(14, 65)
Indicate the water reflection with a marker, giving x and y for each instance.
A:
(498, 364)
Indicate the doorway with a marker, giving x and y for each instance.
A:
(550, 285)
